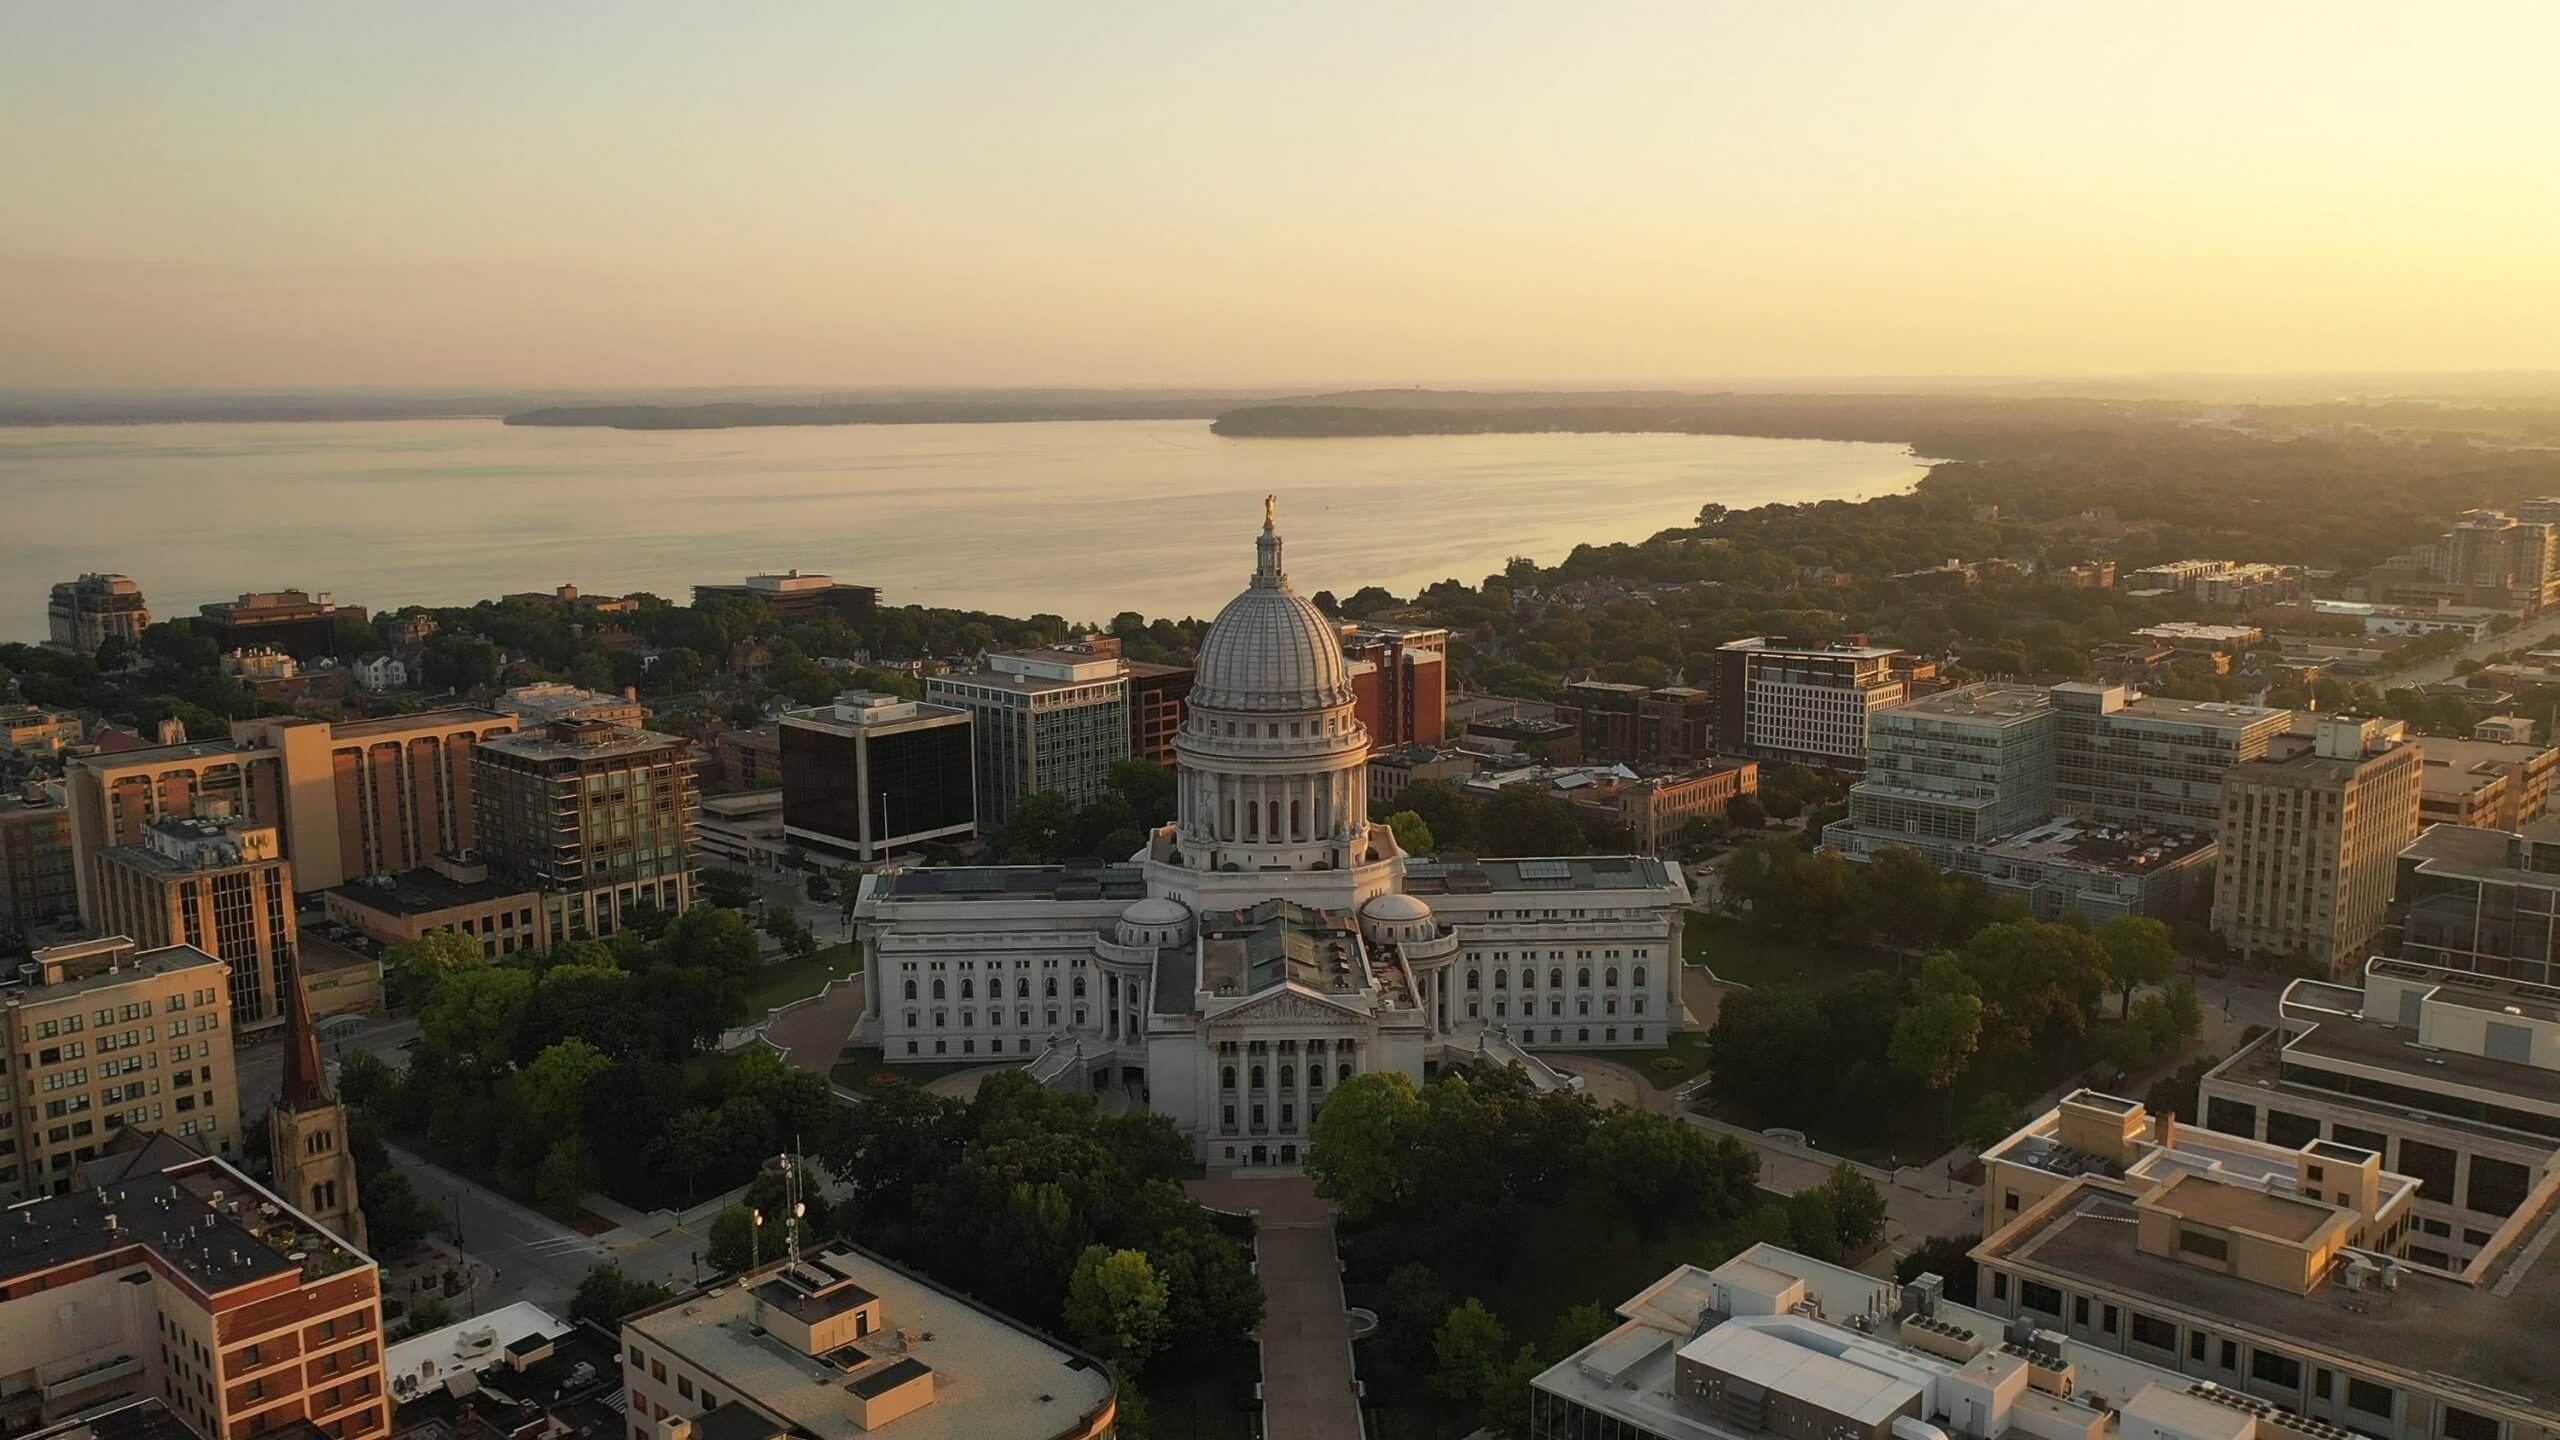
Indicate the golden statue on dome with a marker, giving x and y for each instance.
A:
(1270, 510)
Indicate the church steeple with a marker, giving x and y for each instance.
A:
(307, 1129)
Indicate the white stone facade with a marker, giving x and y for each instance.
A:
(1272, 941)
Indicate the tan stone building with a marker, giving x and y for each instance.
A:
(893, 1354)
(105, 1036)
(34, 730)
(537, 705)
(2310, 840)
(447, 893)
(174, 1276)
(366, 797)
(36, 885)
(86, 613)
(2488, 784)
(221, 886)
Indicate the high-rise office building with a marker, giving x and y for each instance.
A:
(872, 774)
(36, 882)
(1043, 721)
(350, 798)
(2127, 759)
(1399, 681)
(218, 884)
(1158, 697)
(86, 613)
(107, 1037)
(175, 1276)
(796, 597)
(2486, 559)
(2310, 841)
(297, 622)
(598, 818)
(1642, 725)
(1804, 704)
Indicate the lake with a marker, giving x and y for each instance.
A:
(1082, 519)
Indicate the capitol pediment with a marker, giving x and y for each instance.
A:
(1290, 1005)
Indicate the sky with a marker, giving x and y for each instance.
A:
(952, 193)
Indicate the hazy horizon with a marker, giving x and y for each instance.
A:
(478, 196)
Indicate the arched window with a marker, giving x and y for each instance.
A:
(1472, 979)
(1079, 987)
(937, 991)
(1258, 1073)
(1315, 1076)
(911, 989)
(1022, 987)
(1288, 1077)
(1227, 1078)
(1611, 977)
(1555, 979)
(1639, 977)
(1501, 979)
(1528, 979)
(1342, 1072)
(969, 989)
(1049, 986)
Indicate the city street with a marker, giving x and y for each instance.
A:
(2526, 636)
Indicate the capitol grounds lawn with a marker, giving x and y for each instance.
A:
(783, 981)
(1744, 954)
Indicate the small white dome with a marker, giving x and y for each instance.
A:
(1155, 910)
(1396, 907)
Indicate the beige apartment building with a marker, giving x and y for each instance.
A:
(597, 818)
(220, 885)
(106, 1036)
(2310, 840)
(537, 705)
(890, 1353)
(172, 1275)
(2488, 784)
(2280, 1282)
(34, 730)
(350, 798)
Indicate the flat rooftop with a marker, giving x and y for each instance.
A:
(424, 892)
(2244, 1207)
(2492, 1341)
(1013, 882)
(2222, 714)
(452, 715)
(2373, 1044)
(2098, 847)
(623, 742)
(201, 1217)
(1991, 701)
(137, 965)
(1562, 873)
(991, 1376)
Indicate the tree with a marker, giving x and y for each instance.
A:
(692, 1144)
(1116, 1307)
(730, 889)
(1414, 1305)
(1040, 829)
(2138, 953)
(1441, 806)
(552, 1091)
(708, 937)
(1413, 833)
(1523, 820)
(1935, 1036)
(1744, 812)
(415, 966)
(1906, 900)
(428, 1314)
(1361, 1148)
(606, 1295)
(1949, 1257)
(1990, 1119)
(1505, 1410)
(1579, 1326)
(472, 1017)
(1812, 1226)
(564, 1176)
(1470, 1351)
(734, 1244)
(1857, 1207)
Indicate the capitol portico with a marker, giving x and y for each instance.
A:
(1273, 941)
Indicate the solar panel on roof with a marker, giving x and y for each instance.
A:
(1545, 870)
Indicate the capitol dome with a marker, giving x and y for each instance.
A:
(1396, 906)
(1396, 918)
(1271, 649)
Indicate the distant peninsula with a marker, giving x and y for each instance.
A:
(740, 415)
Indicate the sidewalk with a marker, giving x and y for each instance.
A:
(1307, 1384)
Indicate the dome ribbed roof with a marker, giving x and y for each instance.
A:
(1271, 649)
(1396, 906)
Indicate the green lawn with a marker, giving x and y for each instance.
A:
(1687, 1047)
(1746, 955)
(784, 981)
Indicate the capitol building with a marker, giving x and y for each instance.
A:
(1273, 941)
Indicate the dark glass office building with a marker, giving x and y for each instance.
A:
(872, 774)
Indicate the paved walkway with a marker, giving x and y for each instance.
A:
(811, 1036)
(1307, 1391)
